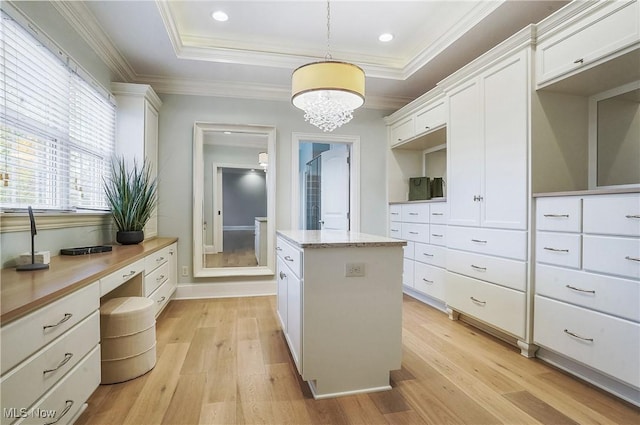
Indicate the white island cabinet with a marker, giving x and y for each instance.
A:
(340, 306)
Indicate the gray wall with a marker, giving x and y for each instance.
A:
(245, 197)
(177, 116)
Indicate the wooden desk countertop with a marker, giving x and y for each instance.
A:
(24, 292)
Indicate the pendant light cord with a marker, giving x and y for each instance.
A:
(328, 55)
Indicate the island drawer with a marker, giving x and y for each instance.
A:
(291, 255)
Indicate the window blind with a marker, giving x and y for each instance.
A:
(58, 132)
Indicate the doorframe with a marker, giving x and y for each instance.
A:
(354, 174)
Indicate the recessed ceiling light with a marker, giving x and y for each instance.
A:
(220, 16)
(386, 37)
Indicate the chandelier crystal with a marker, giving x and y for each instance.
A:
(328, 91)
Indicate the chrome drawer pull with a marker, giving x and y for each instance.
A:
(69, 404)
(426, 280)
(288, 258)
(577, 336)
(414, 233)
(278, 248)
(395, 213)
(131, 273)
(413, 213)
(161, 300)
(437, 236)
(581, 60)
(160, 279)
(282, 275)
(633, 216)
(428, 255)
(159, 259)
(478, 241)
(395, 230)
(591, 291)
(66, 317)
(557, 215)
(478, 301)
(484, 269)
(555, 249)
(631, 258)
(437, 213)
(67, 357)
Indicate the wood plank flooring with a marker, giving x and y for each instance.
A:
(225, 361)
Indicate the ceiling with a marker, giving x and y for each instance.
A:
(177, 47)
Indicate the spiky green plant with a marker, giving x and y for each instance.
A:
(131, 194)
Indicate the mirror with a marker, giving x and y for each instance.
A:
(234, 200)
(614, 138)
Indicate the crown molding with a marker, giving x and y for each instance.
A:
(248, 91)
(85, 24)
(564, 16)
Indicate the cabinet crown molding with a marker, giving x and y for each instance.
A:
(414, 105)
(569, 13)
(142, 90)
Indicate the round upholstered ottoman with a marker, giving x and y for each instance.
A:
(127, 338)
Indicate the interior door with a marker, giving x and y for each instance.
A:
(334, 188)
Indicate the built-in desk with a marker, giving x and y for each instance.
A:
(50, 324)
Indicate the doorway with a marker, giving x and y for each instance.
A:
(325, 182)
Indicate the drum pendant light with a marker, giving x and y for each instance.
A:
(328, 91)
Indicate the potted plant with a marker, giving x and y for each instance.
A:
(132, 196)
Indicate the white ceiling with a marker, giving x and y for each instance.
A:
(178, 48)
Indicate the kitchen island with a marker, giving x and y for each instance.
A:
(340, 307)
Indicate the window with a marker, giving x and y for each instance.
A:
(57, 134)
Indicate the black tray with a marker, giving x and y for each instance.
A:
(86, 250)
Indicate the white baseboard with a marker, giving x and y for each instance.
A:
(225, 289)
(210, 249)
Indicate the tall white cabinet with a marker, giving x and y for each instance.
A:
(488, 190)
(137, 131)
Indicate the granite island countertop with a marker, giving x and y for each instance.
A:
(337, 239)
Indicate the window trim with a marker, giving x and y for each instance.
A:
(19, 222)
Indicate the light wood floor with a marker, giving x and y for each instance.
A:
(225, 361)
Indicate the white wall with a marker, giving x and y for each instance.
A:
(177, 116)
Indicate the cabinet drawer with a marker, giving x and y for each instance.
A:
(395, 212)
(415, 232)
(498, 306)
(431, 254)
(601, 33)
(603, 342)
(438, 213)
(292, 256)
(407, 272)
(618, 256)
(31, 379)
(158, 258)
(408, 250)
(503, 243)
(430, 117)
(429, 280)
(612, 215)
(115, 279)
(562, 249)
(67, 396)
(559, 214)
(401, 131)
(25, 336)
(162, 295)
(415, 213)
(504, 272)
(395, 230)
(156, 278)
(608, 294)
(438, 234)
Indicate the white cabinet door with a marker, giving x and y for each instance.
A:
(505, 100)
(294, 319)
(282, 294)
(465, 153)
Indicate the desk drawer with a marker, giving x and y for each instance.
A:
(115, 279)
(156, 278)
(603, 342)
(26, 335)
(429, 280)
(431, 254)
(498, 306)
(67, 396)
(26, 383)
(618, 256)
(162, 296)
(291, 255)
(158, 258)
(504, 272)
(612, 215)
(607, 294)
(503, 243)
(559, 214)
(561, 249)
(415, 232)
